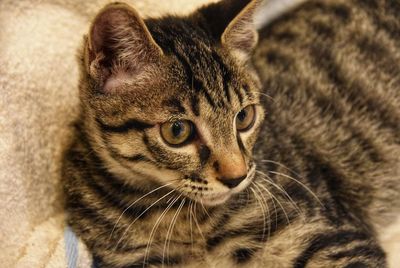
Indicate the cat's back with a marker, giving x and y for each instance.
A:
(351, 49)
(331, 72)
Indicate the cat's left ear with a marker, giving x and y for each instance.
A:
(240, 36)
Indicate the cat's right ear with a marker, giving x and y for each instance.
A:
(119, 46)
(231, 22)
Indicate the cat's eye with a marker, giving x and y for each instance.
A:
(177, 133)
(245, 118)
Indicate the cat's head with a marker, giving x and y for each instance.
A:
(174, 101)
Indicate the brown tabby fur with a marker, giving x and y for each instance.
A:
(327, 151)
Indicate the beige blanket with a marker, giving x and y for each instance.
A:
(38, 101)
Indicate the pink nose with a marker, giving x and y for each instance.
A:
(231, 169)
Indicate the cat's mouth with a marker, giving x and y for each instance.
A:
(217, 198)
(213, 199)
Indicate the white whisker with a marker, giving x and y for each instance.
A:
(277, 200)
(155, 227)
(137, 200)
(170, 231)
(300, 183)
(190, 222)
(196, 222)
(282, 190)
(257, 185)
(290, 177)
(205, 210)
(141, 214)
(265, 95)
(262, 210)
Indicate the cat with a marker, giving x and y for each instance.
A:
(204, 143)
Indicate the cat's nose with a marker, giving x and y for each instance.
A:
(232, 182)
(231, 170)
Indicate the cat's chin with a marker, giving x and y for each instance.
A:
(214, 200)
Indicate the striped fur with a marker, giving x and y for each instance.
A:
(327, 153)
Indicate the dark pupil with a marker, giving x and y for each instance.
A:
(177, 129)
(242, 115)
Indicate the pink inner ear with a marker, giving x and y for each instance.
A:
(117, 82)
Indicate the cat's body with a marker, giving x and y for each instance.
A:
(327, 154)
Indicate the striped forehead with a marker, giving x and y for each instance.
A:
(207, 75)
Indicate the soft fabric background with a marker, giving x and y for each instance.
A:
(38, 83)
(38, 102)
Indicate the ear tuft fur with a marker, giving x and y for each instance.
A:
(232, 24)
(119, 44)
(240, 36)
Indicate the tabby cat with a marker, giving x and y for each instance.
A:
(204, 143)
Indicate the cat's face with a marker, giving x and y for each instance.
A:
(169, 104)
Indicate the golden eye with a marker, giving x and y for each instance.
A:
(177, 132)
(245, 118)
